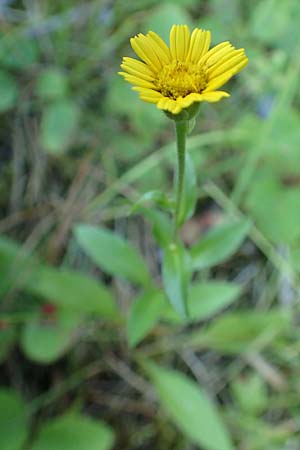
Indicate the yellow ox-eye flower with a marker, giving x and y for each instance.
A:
(188, 72)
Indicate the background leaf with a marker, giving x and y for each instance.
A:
(144, 313)
(44, 339)
(74, 431)
(189, 407)
(9, 91)
(219, 243)
(58, 127)
(13, 420)
(112, 253)
(74, 290)
(176, 274)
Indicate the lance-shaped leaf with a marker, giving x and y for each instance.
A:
(112, 253)
(190, 408)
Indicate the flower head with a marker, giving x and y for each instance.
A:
(188, 72)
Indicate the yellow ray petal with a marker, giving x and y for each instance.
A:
(179, 42)
(143, 48)
(227, 64)
(137, 68)
(137, 81)
(200, 42)
(168, 104)
(161, 47)
(149, 93)
(214, 53)
(187, 101)
(214, 96)
(219, 81)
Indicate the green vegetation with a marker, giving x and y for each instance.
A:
(93, 356)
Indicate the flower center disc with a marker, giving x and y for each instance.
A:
(179, 79)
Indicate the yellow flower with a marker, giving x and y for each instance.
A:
(188, 72)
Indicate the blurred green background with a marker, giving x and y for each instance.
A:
(77, 145)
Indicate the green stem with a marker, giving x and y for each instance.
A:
(181, 132)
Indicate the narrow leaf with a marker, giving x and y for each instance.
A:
(176, 274)
(144, 313)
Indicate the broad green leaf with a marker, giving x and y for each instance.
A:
(189, 194)
(45, 339)
(74, 290)
(13, 421)
(176, 275)
(74, 432)
(241, 331)
(9, 91)
(219, 243)
(59, 125)
(52, 83)
(112, 253)
(190, 408)
(206, 299)
(144, 313)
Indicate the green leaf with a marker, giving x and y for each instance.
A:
(176, 275)
(13, 421)
(144, 313)
(52, 83)
(219, 243)
(59, 125)
(250, 393)
(161, 225)
(9, 91)
(189, 194)
(74, 432)
(153, 197)
(17, 51)
(112, 253)
(74, 290)
(241, 331)
(204, 300)
(45, 339)
(189, 407)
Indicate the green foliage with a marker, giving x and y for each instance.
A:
(144, 313)
(79, 318)
(192, 411)
(74, 431)
(176, 275)
(52, 83)
(59, 123)
(45, 339)
(8, 91)
(112, 253)
(219, 243)
(13, 420)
